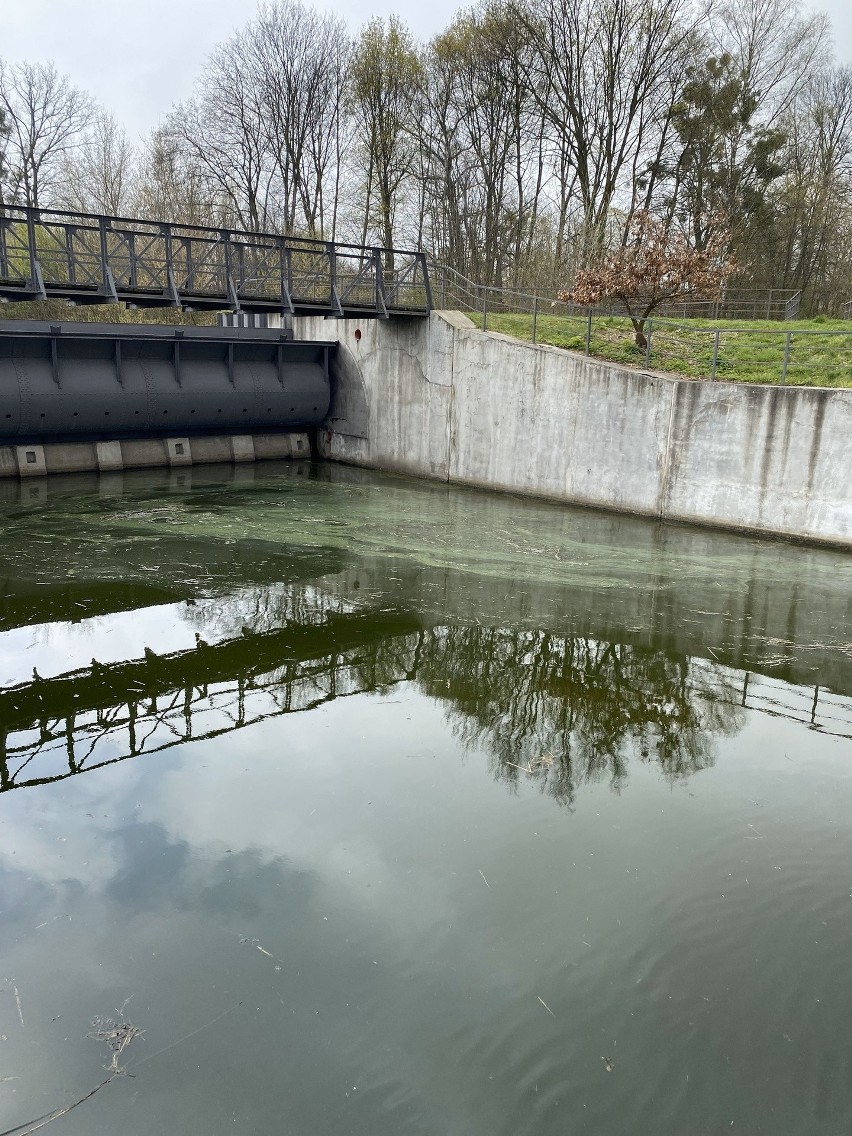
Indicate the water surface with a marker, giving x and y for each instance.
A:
(394, 808)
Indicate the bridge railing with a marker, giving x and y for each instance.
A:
(86, 258)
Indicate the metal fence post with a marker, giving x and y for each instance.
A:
(484, 309)
(784, 365)
(648, 345)
(588, 331)
(535, 316)
(715, 353)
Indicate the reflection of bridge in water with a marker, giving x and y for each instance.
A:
(57, 727)
(521, 696)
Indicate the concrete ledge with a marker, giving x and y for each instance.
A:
(242, 448)
(178, 451)
(109, 456)
(139, 453)
(210, 450)
(178, 454)
(275, 446)
(30, 461)
(70, 457)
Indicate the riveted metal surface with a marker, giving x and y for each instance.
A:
(88, 382)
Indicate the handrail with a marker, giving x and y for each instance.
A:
(87, 258)
(465, 286)
(114, 221)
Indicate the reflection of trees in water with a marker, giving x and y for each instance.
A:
(568, 711)
(564, 711)
(261, 608)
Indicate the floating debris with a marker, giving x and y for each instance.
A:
(116, 1034)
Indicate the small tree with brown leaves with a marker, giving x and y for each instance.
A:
(654, 266)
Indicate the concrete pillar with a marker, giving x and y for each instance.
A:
(30, 461)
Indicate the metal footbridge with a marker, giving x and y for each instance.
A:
(90, 259)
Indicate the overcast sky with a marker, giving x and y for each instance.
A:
(139, 58)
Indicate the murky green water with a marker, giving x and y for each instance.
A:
(399, 809)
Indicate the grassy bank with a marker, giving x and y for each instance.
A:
(748, 351)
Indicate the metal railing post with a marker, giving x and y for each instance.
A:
(378, 273)
(104, 261)
(589, 332)
(4, 255)
(786, 362)
(31, 243)
(225, 237)
(424, 264)
(69, 252)
(287, 254)
(715, 353)
(648, 344)
(484, 309)
(535, 317)
(332, 271)
(166, 231)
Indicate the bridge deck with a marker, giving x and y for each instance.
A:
(90, 259)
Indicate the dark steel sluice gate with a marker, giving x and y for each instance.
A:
(88, 381)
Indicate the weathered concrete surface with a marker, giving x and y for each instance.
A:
(148, 453)
(441, 399)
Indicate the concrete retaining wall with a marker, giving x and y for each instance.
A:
(147, 453)
(438, 398)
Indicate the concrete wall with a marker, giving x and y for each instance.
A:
(38, 460)
(438, 398)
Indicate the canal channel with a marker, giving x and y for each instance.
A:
(333, 802)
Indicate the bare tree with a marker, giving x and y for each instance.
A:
(300, 60)
(599, 70)
(265, 127)
(46, 116)
(222, 130)
(4, 138)
(483, 134)
(98, 176)
(170, 186)
(776, 48)
(386, 77)
(812, 202)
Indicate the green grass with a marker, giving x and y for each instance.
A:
(749, 350)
